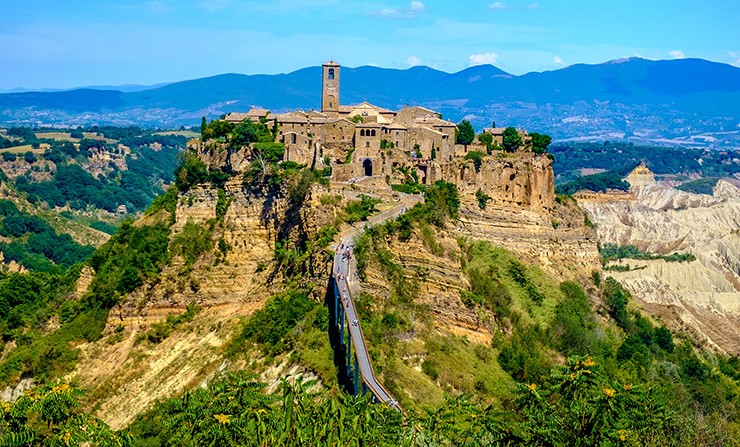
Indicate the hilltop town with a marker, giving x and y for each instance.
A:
(378, 147)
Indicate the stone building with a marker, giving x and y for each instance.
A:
(360, 140)
(367, 143)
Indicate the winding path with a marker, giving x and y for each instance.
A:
(349, 288)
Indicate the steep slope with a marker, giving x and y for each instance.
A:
(703, 294)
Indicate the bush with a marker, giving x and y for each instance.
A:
(271, 325)
(192, 242)
(192, 171)
(358, 210)
(477, 158)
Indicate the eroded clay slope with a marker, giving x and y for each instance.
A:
(703, 295)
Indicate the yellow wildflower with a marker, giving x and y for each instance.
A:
(532, 387)
(222, 418)
(609, 392)
(622, 435)
(627, 386)
(589, 362)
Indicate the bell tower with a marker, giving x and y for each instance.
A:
(330, 88)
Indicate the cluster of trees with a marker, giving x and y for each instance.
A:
(614, 252)
(512, 141)
(76, 187)
(595, 182)
(621, 158)
(35, 244)
(238, 134)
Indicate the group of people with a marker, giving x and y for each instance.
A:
(346, 255)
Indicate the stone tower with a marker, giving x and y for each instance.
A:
(330, 88)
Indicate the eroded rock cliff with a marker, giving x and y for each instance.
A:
(703, 295)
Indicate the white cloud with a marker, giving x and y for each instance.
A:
(557, 60)
(409, 12)
(676, 54)
(413, 61)
(534, 6)
(417, 6)
(483, 58)
(497, 5)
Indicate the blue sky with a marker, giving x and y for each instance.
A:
(62, 44)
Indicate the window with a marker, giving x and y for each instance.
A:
(362, 132)
(372, 132)
(331, 74)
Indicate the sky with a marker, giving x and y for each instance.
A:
(72, 43)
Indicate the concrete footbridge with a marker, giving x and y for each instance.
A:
(346, 289)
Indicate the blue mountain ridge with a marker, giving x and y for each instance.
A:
(672, 89)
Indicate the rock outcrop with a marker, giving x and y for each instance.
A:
(703, 294)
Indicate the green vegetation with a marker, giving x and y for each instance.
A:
(512, 139)
(620, 158)
(192, 242)
(160, 331)
(150, 163)
(477, 158)
(613, 252)
(487, 139)
(52, 416)
(358, 210)
(540, 142)
(596, 183)
(464, 133)
(34, 244)
(699, 186)
(271, 327)
(482, 198)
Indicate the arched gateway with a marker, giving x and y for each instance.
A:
(367, 166)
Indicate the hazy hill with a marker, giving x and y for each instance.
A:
(690, 101)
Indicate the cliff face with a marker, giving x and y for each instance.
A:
(124, 374)
(518, 180)
(704, 294)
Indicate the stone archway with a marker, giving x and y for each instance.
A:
(367, 166)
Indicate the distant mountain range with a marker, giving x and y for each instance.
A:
(685, 101)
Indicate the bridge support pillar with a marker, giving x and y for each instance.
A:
(357, 376)
(336, 302)
(349, 356)
(341, 326)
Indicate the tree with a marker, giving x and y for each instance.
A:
(203, 126)
(77, 134)
(540, 142)
(465, 133)
(243, 134)
(512, 140)
(487, 139)
(30, 157)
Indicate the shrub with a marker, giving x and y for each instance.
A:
(482, 198)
